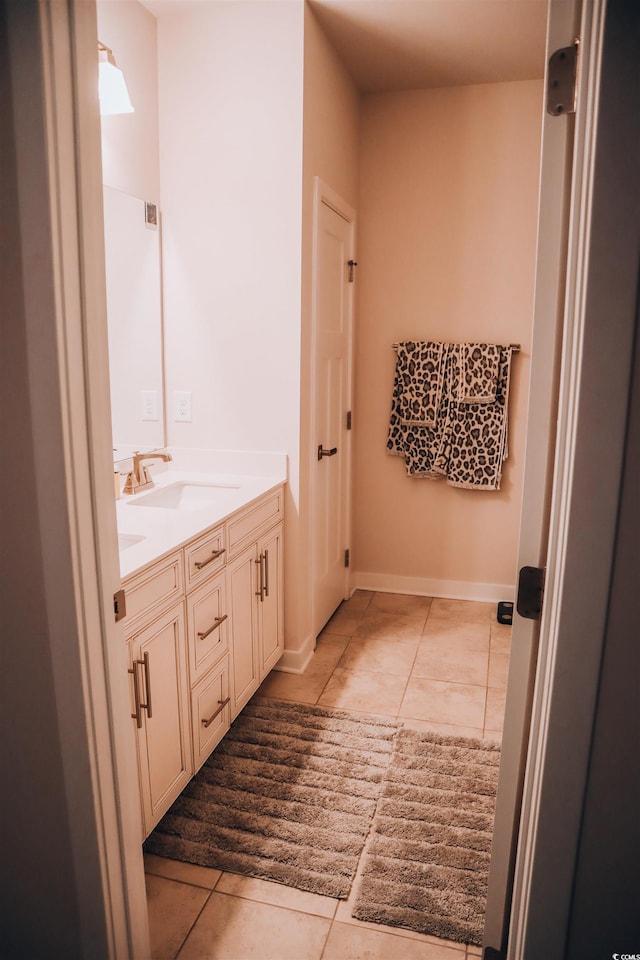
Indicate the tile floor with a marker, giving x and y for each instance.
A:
(436, 664)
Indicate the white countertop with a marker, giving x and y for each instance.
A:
(163, 529)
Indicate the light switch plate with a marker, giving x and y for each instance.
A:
(182, 405)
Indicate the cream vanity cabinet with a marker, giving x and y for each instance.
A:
(159, 685)
(204, 627)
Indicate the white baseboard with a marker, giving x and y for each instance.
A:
(424, 587)
(296, 661)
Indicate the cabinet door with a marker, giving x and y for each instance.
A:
(270, 601)
(242, 579)
(159, 658)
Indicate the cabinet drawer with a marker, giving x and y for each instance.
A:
(210, 712)
(207, 626)
(148, 591)
(250, 523)
(204, 557)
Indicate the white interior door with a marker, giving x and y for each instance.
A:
(546, 464)
(332, 344)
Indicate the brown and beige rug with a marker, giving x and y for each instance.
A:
(288, 795)
(426, 862)
(295, 793)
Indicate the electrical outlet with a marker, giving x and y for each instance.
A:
(149, 404)
(182, 405)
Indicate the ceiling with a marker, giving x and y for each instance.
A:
(390, 45)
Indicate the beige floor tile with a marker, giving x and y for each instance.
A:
(498, 669)
(494, 735)
(366, 692)
(231, 928)
(459, 703)
(361, 597)
(348, 615)
(500, 637)
(474, 951)
(184, 872)
(457, 634)
(350, 942)
(277, 894)
(307, 687)
(494, 716)
(400, 603)
(290, 686)
(394, 657)
(447, 729)
(173, 909)
(442, 661)
(344, 914)
(468, 611)
(391, 626)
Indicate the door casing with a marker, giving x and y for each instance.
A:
(73, 39)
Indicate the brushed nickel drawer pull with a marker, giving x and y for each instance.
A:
(223, 703)
(147, 684)
(137, 715)
(216, 624)
(260, 592)
(199, 564)
(139, 705)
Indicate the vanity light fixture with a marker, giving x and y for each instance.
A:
(114, 96)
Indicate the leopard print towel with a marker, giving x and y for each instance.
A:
(419, 372)
(467, 443)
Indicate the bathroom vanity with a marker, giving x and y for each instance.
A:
(201, 560)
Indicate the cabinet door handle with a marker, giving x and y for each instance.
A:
(199, 564)
(223, 703)
(214, 626)
(266, 573)
(260, 592)
(147, 684)
(137, 715)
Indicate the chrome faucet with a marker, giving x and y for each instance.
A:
(139, 477)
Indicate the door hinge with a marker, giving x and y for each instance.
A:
(347, 558)
(348, 419)
(119, 605)
(530, 592)
(351, 264)
(562, 80)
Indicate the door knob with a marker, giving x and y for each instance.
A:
(326, 453)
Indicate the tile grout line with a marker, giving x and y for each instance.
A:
(198, 915)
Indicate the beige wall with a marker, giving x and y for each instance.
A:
(231, 79)
(130, 160)
(330, 152)
(447, 230)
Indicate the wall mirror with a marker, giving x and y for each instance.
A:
(134, 315)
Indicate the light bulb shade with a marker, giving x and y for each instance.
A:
(112, 89)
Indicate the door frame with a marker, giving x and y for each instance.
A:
(83, 483)
(544, 417)
(542, 782)
(601, 326)
(57, 144)
(323, 193)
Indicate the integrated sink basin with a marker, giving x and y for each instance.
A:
(188, 495)
(126, 540)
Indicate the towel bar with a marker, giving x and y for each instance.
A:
(515, 347)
